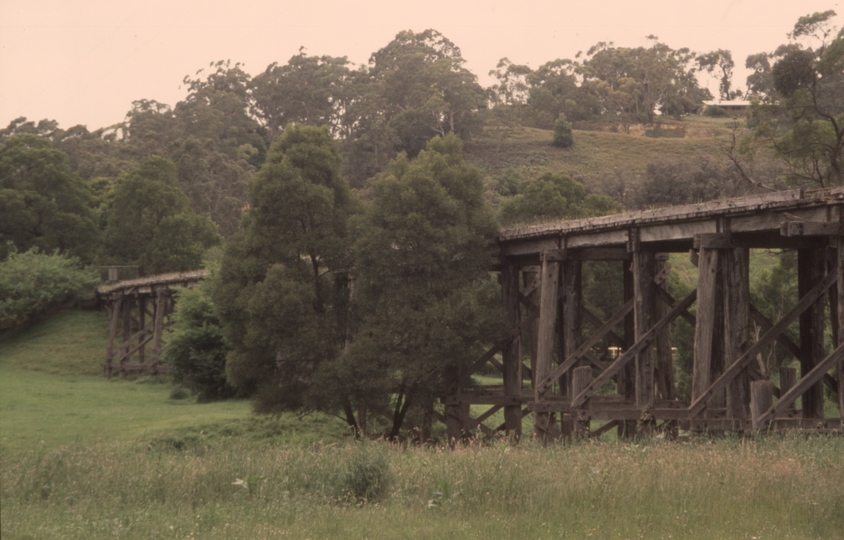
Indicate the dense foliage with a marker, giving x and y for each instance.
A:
(277, 294)
(196, 348)
(424, 295)
(799, 115)
(150, 222)
(553, 197)
(31, 282)
(43, 203)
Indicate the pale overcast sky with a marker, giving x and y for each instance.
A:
(85, 61)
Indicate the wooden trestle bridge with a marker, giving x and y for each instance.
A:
(565, 386)
(139, 311)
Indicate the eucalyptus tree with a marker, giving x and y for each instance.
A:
(277, 294)
(150, 222)
(800, 105)
(424, 294)
(43, 203)
(309, 90)
(412, 89)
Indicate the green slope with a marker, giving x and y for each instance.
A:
(596, 152)
(52, 393)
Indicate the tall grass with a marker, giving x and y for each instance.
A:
(731, 488)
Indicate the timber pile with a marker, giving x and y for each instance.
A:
(566, 384)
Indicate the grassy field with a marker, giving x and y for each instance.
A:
(82, 457)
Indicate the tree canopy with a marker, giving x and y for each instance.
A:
(423, 293)
(800, 111)
(43, 203)
(150, 222)
(276, 294)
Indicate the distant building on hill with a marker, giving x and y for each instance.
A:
(734, 107)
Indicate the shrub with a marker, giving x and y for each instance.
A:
(364, 476)
(563, 136)
(715, 111)
(196, 349)
(33, 282)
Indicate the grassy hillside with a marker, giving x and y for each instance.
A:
(52, 393)
(597, 152)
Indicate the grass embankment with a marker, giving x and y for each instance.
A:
(594, 152)
(52, 393)
(120, 459)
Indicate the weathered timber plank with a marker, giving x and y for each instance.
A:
(788, 378)
(806, 382)
(664, 369)
(839, 257)
(514, 333)
(626, 377)
(158, 327)
(643, 342)
(766, 325)
(530, 276)
(712, 241)
(644, 316)
(572, 359)
(603, 429)
(580, 379)
(139, 335)
(487, 399)
(811, 264)
(809, 228)
(475, 422)
(760, 401)
(705, 328)
(699, 403)
(128, 354)
(669, 300)
(797, 202)
(675, 231)
(603, 329)
(528, 247)
(597, 239)
(772, 218)
(599, 254)
(116, 310)
(511, 353)
(592, 319)
(179, 279)
(142, 311)
(736, 274)
(572, 307)
(550, 275)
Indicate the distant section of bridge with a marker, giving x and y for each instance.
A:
(572, 377)
(139, 312)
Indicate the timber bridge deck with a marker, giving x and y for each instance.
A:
(129, 303)
(566, 382)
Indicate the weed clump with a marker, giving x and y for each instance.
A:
(364, 474)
